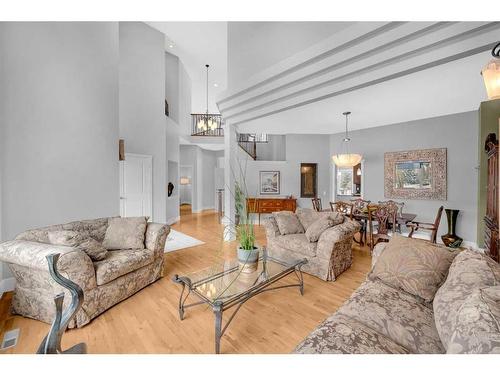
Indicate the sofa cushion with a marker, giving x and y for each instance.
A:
(297, 243)
(398, 315)
(477, 326)
(65, 238)
(340, 334)
(288, 223)
(95, 228)
(308, 216)
(89, 246)
(121, 262)
(317, 228)
(415, 266)
(469, 271)
(125, 233)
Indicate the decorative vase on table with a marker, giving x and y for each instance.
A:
(248, 260)
(451, 239)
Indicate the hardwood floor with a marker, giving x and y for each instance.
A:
(148, 322)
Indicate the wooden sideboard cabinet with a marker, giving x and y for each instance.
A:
(491, 240)
(269, 205)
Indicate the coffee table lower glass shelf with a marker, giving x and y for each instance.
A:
(223, 286)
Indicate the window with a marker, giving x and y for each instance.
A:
(344, 181)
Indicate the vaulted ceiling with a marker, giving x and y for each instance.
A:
(384, 72)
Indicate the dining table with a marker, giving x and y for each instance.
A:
(401, 219)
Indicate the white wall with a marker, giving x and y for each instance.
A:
(59, 116)
(458, 133)
(299, 149)
(185, 86)
(252, 45)
(142, 96)
(172, 85)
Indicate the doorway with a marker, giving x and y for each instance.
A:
(136, 186)
(186, 189)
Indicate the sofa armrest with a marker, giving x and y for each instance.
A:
(156, 236)
(271, 227)
(73, 264)
(336, 234)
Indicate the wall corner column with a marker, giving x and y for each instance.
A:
(230, 145)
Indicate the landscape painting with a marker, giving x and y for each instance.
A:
(269, 182)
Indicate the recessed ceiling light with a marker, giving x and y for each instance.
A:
(216, 85)
(171, 46)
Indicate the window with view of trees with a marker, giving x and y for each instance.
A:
(344, 181)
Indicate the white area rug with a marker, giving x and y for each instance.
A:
(177, 240)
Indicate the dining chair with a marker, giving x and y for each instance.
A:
(360, 206)
(382, 219)
(398, 206)
(345, 208)
(316, 202)
(432, 227)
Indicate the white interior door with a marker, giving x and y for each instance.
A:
(136, 186)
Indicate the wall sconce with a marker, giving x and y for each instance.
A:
(491, 74)
(185, 181)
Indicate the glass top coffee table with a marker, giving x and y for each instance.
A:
(223, 286)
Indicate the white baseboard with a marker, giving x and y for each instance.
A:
(202, 209)
(7, 285)
(173, 220)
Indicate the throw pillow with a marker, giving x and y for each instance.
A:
(319, 226)
(88, 245)
(418, 267)
(308, 216)
(125, 233)
(65, 238)
(477, 326)
(288, 222)
(93, 249)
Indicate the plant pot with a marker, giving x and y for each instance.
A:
(451, 239)
(248, 260)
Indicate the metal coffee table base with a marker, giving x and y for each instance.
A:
(219, 307)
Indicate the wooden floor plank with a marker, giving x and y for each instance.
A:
(148, 322)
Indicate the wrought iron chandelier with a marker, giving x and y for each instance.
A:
(206, 121)
(491, 74)
(346, 159)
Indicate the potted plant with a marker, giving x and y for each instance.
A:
(248, 251)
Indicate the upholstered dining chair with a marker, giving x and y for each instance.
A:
(360, 205)
(345, 208)
(432, 227)
(381, 223)
(316, 202)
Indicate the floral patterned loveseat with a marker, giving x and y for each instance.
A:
(379, 318)
(328, 256)
(105, 283)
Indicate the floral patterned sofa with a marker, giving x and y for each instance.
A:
(105, 283)
(328, 256)
(379, 318)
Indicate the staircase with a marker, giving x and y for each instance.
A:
(248, 143)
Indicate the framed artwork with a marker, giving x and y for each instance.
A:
(269, 182)
(308, 180)
(416, 174)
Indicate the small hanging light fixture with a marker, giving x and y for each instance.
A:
(491, 74)
(346, 159)
(206, 122)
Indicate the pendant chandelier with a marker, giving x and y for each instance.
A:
(206, 121)
(346, 159)
(491, 74)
